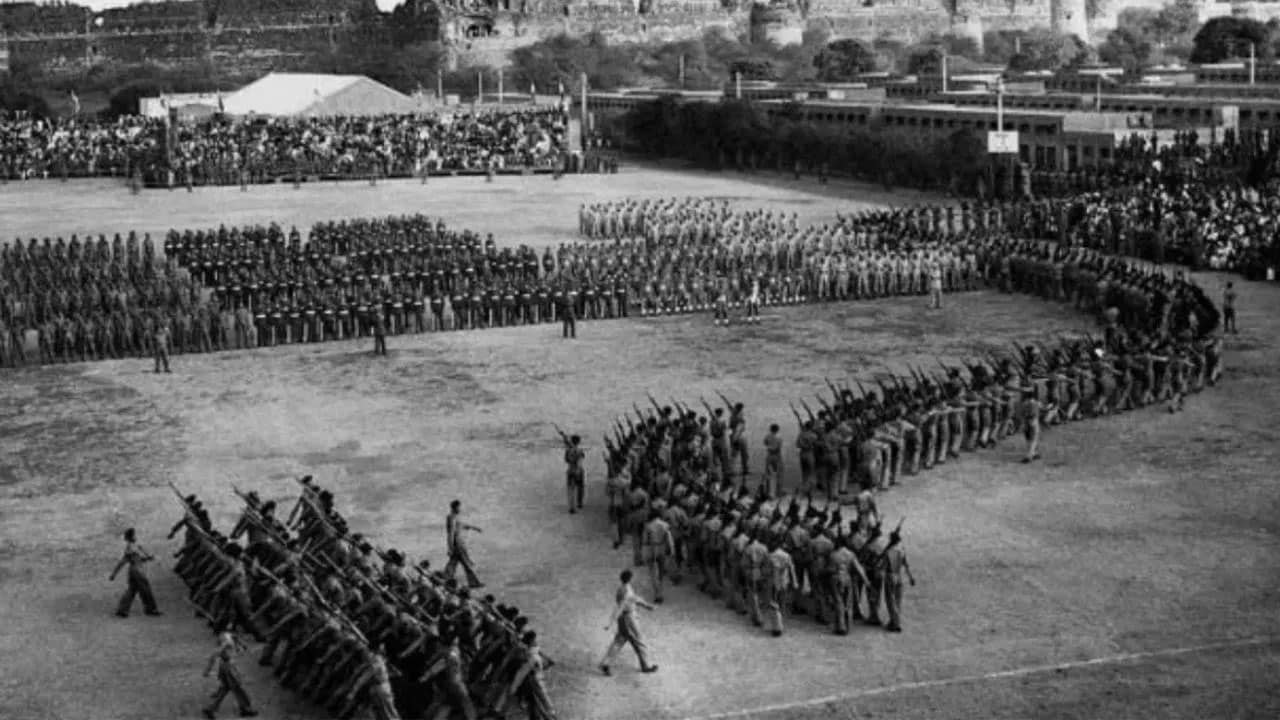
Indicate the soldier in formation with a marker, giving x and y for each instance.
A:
(684, 485)
(350, 625)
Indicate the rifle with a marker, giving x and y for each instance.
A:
(706, 405)
(862, 390)
(797, 414)
(656, 407)
(824, 404)
(256, 518)
(918, 374)
(333, 612)
(835, 392)
(181, 498)
(805, 405)
(639, 414)
(728, 405)
(563, 436)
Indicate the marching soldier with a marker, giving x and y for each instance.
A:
(782, 584)
(456, 530)
(893, 566)
(628, 630)
(845, 568)
(138, 584)
(659, 550)
(229, 681)
(772, 462)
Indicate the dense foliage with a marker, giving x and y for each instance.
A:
(738, 134)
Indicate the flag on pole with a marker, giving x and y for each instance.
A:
(75, 103)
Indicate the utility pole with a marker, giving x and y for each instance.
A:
(1000, 104)
(944, 73)
(585, 118)
(1253, 63)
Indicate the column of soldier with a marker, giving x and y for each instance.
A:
(685, 253)
(87, 299)
(671, 472)
(348, 625)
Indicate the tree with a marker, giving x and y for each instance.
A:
(1043, 49)
(1227, 37)
(753, 69)
(125, 100)
(1125, 47)
(924, 61)
(562, 59)
(843, 61)
(1175, 22)
(21, 98)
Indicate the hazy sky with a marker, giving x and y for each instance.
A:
(385, 5)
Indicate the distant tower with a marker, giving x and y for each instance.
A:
(1069, 17)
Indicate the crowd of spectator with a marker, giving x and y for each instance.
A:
(224, 150)
(33, 148)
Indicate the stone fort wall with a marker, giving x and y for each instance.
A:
(251, 36)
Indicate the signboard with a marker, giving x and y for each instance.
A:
(1002, 143)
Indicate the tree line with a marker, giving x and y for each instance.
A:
(739, 135)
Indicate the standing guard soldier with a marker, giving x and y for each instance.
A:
(568, 313)
(524, 307)
(379, 332)
(460, 309)
(437, 310)
(160, 345)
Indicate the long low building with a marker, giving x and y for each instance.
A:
(1048, 139)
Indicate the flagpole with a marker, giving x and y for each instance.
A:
(440, 85)
(499, 86)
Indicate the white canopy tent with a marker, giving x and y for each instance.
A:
(312, 95)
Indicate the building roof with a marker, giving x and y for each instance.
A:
(314, 95)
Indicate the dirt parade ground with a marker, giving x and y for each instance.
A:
(1135, 572)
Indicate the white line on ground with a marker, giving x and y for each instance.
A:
(1016, 672)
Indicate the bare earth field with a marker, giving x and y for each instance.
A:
(1134, 573)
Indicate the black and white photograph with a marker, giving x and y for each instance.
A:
(639, 359)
